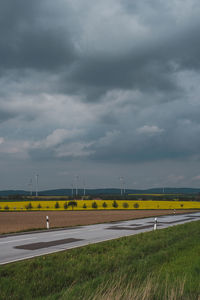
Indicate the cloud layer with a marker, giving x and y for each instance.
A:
(112, 86)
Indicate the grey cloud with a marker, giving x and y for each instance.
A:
(41, 155)
(123, 75)
(29, 40)
(5, 115)
(151, 63)
(32, 38)
(152, 68)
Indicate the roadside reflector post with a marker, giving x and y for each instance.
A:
(155, 224)
(47, 219)
(174, 212)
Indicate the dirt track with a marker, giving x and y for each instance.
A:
(19, 221)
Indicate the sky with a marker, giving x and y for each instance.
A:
(98, 90)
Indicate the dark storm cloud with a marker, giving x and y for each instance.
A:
(5, 115)
(124, 73)
(114, 81)
(29, 40)
(152, 68)
(129, 149)
(32, 37)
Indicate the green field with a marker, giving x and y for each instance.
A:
(157, 265)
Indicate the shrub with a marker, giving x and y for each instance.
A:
(136, 205)
(125, 205)
(29, 206)
(65, 205)
(94, 205)
(84, 205)
(6, 207)
(39, 206)
(114, 204)
(72, 204)
(57, 205)
(181, 205)
(104, 205)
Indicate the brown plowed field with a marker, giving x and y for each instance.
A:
(20, 221)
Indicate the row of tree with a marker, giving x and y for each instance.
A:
(73, 204)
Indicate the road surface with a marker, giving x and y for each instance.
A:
(28, 245)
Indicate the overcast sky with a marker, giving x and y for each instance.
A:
(99, 90)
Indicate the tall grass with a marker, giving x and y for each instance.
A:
(149, 289)
(157, 265)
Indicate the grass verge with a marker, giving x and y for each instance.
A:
(157, 265)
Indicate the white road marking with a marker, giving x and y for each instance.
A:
(14, 241)
(68, 232)
(77, 231)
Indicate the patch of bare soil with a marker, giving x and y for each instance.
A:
(22, 221)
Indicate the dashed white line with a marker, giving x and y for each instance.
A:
(14, 241)
(68, 232)
(77, 231)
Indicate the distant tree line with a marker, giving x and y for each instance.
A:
(137, 197)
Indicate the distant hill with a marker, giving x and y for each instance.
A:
(108, 191)
(174, 190)
(13, 192)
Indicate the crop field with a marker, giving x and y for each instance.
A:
(156, 195)
(161, 265)
(97, 204)
(29, 220)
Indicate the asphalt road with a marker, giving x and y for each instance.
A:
(27, 245)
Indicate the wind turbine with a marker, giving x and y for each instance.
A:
(31, 186)
(121, 184)
(77, 177)
(36, 185)
(72, 189)
(84, 188)
(124, 186)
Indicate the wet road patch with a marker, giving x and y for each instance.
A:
(130, 228)
(41, 245)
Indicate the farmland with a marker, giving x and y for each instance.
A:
(20, 221)
(40, 204)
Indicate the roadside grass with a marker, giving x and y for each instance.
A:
(164, 264)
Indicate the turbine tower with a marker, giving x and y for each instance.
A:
(84, 188)
(121, 184)
(31, 187)
(77, 177)
(72, 190)
(124, 186)
(36, 185)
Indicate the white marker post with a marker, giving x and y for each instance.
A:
(174, 212)
(47, 218)
(155, 224)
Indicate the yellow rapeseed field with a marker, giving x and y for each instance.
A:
(156, 195)
(89, 205)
